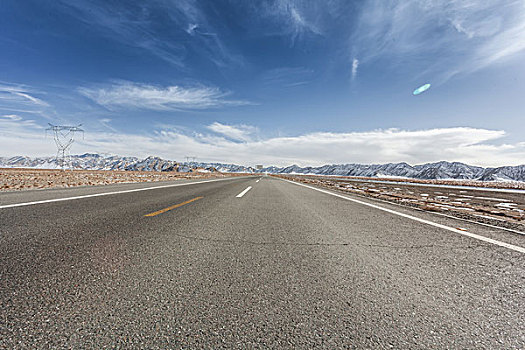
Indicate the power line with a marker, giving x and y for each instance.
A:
(64, 137)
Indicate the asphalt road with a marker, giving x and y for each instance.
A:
(282, 266)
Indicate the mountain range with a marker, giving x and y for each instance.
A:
(439, 170)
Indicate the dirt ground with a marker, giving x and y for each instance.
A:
(501, 204)
(27, 179)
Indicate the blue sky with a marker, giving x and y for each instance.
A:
(273, 82)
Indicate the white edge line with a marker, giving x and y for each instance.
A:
(244, 192)
(109, 193)
(464, 233)
(440, 214)
(480, 223)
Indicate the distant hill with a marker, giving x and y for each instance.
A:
(94, 161)
(431, 171)
(439, 170)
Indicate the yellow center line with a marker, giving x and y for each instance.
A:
(173, 207)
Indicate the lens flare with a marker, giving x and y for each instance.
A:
(421, 89)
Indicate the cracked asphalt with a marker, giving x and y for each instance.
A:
(282, 267)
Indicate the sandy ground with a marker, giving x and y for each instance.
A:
(501, 207)
(28, 179)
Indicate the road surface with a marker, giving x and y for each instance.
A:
(250, 262)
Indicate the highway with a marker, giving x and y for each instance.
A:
(250, 262)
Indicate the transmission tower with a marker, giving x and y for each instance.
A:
(64, 138)
(190, 157)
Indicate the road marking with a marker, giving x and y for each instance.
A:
(450, 216)
(155, 213)
(109, 193)
(258, 180)
(244, 192)
(431, 223)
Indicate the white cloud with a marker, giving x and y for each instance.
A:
(297, 19)
(469, 145)
(15, 124)
(135, 25)
(18, 95)
(355, 65)
(291, 15)
(504, 45)
(460, 36)
(31, 99)
(19, 101)
(106, 122)
(129, 25)
(133, 95)
(237, 133)
(287, 76)
(191, 28)
(11, 117)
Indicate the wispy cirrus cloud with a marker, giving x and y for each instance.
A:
(137, 25)
(294, 17)
(460, 36)
(106, 123)
(130, 25)
(144, 96)
(10, 117)
(19, 95)
(287, 76)
(17, 101)
(13, 123)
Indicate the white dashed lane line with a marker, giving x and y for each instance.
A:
(244, 192)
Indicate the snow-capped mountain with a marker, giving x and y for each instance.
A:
(439, 170)
(94, 161)
(505, 173)
(447, 170)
